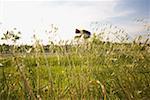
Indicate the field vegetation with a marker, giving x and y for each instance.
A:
(91, 70)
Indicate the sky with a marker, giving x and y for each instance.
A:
(35, 17)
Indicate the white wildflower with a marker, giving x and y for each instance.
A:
(1, 65)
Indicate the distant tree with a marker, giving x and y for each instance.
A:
(11, 36)
(82, 33)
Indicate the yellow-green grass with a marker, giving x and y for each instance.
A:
(90, 71)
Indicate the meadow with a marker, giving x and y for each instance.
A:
(94, 70)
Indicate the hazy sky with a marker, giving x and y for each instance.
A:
(34, 17)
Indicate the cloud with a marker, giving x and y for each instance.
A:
(68, 15)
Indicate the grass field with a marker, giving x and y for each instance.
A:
(90, 71)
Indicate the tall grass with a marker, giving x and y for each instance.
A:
(89, 71)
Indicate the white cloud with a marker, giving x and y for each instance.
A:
(28, 16)
(61, 0)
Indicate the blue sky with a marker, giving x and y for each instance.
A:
(34, 17)
(141, 7)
